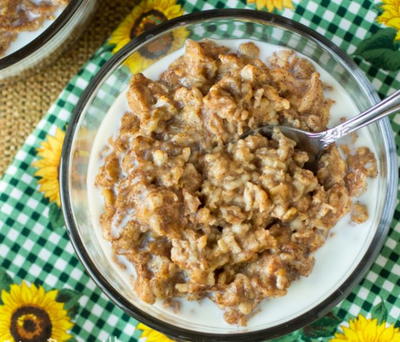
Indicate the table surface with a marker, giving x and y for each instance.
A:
(24, 102)
(34, 245)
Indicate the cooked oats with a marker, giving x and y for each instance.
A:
(359, 213)
(202, 213)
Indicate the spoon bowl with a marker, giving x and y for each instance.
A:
(310, 142)
(314, 143)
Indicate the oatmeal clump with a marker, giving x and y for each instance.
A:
(23, 15)
(359, 213)
(202, 213)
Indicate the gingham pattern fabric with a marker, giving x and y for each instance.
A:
(32, 250)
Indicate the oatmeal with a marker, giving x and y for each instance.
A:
(201, 213)
(18, 16)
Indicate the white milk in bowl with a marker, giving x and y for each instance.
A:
(334, 261)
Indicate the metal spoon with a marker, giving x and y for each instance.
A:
(316, 143)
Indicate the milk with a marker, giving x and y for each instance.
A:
(335, 260)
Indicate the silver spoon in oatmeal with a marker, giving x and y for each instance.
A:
(315, 143)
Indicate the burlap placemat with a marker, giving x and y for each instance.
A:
(24, 102)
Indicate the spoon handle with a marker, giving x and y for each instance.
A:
(386, 107)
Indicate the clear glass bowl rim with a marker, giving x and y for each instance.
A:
(43, 38)
(300, 321)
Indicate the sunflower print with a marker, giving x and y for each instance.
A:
(272, 4)
(391, 15)
(30, 314)
(362, 329)
(47, 166)
(152, 335)
(146, 15)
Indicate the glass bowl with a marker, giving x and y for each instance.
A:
(305, 302)
(42, 50)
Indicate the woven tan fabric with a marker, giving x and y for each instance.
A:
(24, 102)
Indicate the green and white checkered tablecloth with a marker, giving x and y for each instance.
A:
(34, 250)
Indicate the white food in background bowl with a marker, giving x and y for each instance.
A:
(24, 38)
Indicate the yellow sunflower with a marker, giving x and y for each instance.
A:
(152, 335)
(362, 329)
(29, 314)
(50, 154)
(272, 4)
(391, 15)
(146, 15)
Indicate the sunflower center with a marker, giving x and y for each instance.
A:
(145, 22)
(30, 324)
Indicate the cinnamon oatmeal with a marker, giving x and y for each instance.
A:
(202, 213)
(18, 16)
